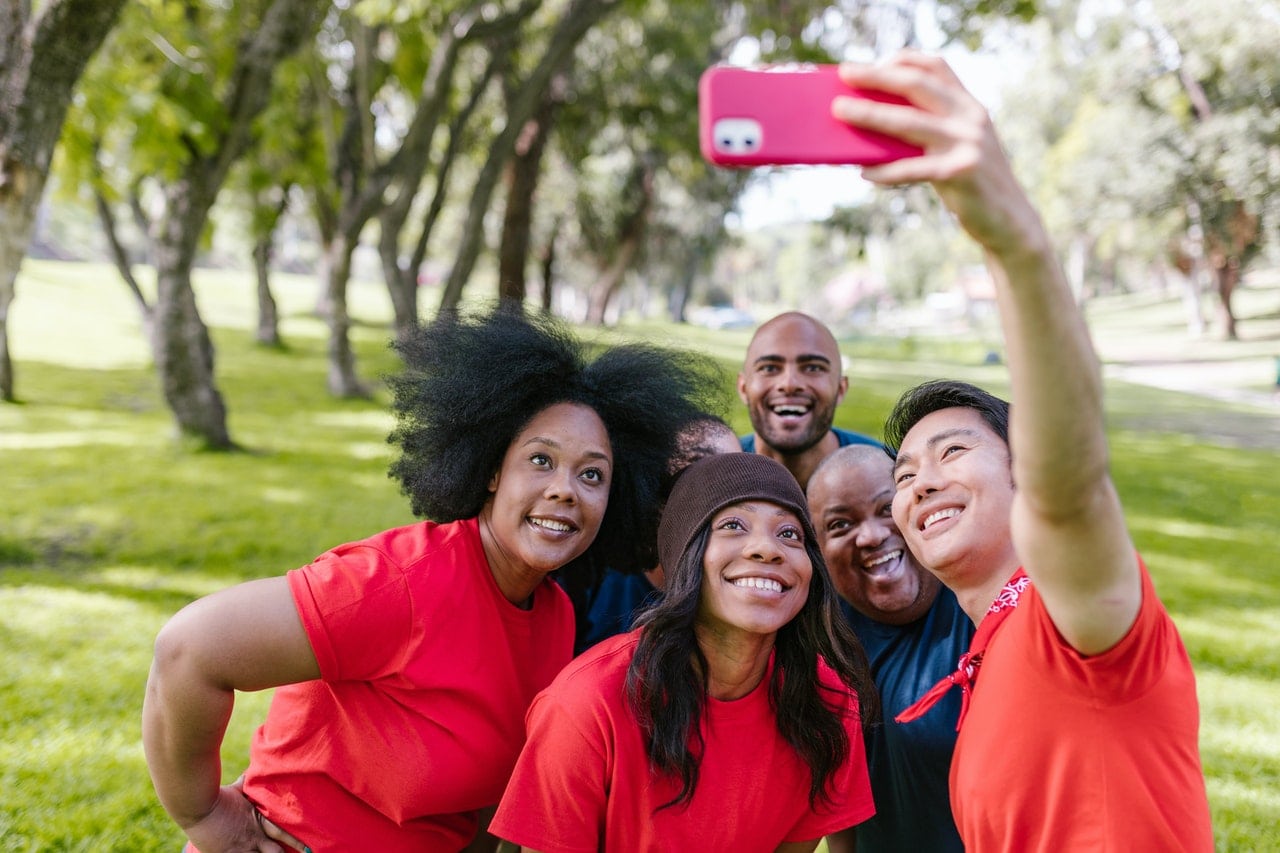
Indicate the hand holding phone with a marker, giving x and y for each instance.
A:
(781, 115)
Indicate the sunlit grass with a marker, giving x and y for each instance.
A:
(108, 526)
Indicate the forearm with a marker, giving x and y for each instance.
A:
(183, 723)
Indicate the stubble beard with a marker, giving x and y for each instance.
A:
(792, 444)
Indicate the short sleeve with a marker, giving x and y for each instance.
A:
(555, 800)
(1123, 672)
(356, 610)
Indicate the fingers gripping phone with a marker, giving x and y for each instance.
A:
(781, 115)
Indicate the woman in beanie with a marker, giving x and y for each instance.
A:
(730, 718)
(404, 662)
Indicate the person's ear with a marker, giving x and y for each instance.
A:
(742, 389)
(843, 388)
(493, 482)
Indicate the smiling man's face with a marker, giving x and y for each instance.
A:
(851, 501)
(791, 383)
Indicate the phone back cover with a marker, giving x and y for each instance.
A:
(792, 105)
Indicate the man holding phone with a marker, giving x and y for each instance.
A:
(1079, 726)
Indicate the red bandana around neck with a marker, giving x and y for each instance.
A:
(967, 669)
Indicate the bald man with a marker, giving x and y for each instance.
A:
(791, 383)
(913, 630)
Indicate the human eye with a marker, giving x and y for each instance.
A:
(885, 510)
(815, 367)
(792, 533)
(540, 460)
(593, 475)
(729, 524)
(902, 478)
(837, 524)
(952, 449)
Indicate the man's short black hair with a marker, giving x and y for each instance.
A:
(929, 397)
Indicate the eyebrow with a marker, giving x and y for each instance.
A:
(934, 441)
(808, 356)
(551, 442)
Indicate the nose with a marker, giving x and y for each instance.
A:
(763, 548)
(561, 485)
(927, 480)
(871, 533)
(789, 377)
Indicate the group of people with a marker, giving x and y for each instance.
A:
(617, 631)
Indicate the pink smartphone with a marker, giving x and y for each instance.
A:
(781, 115)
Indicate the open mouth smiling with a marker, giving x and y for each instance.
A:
(790, 410)
(552, 525)
(941, 515)
(765, 584)
(882, 562)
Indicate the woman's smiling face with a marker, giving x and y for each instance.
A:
(551, 492)
(756, 570)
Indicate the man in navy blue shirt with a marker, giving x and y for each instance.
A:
(913, 631)
(791, 382)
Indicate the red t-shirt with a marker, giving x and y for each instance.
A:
(583, 782)
(426, 672)
(1060, 751)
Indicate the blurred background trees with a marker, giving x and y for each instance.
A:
(545, 152)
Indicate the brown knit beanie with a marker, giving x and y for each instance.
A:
(711, 484)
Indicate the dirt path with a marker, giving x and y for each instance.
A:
(1251, 421)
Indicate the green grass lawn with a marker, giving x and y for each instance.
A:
(107, 526)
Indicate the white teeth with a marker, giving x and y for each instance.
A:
(934, 517)
(551, 524)
(758, 583)
(879, 561)
(790, 410)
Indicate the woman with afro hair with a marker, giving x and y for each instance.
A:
(731, 717)
(404, 662)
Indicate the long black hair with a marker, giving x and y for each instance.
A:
(471, 382)
(667, 681)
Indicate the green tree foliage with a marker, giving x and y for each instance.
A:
(1151, 134)
(165, 132)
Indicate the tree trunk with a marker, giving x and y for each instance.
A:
(630, 238)
(266, 219)
(184, 351)
(342, 380)
(577, 20)
(41, 59)
(606, 284)
(16, 219)
(517, 218)
(1228, 276)
(548, 264)
(124, 265)
(402, 281)
(268, 331)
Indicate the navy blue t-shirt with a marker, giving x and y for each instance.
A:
(910, 763)
(845, 437)
(613, 605)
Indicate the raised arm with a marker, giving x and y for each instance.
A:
(248, 637)
(1067, 523)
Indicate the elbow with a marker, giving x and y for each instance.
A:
(179, 652)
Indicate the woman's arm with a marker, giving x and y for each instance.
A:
(247, 638)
